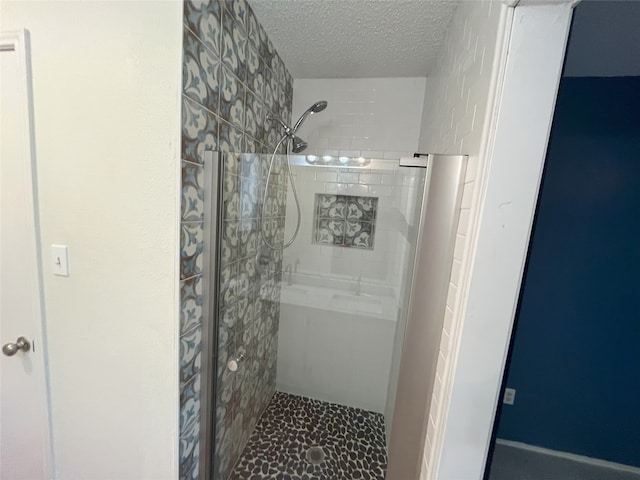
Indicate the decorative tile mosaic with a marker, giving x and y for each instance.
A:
(298, 438)
(345, 221)
(232, 78)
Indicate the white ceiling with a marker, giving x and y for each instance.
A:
(355, 38)
(605, 39)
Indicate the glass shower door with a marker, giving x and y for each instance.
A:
(304, 343)
(244, 302)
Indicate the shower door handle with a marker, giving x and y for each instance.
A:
(10, 349)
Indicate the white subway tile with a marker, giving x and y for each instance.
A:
(463, 222)
(451, 296)
(381, 191)
(324, 176)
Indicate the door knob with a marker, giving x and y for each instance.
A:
(10, 349)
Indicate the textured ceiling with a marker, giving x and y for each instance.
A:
(355, 38)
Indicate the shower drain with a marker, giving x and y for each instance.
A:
(315, 455)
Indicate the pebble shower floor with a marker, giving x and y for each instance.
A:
(352, 443)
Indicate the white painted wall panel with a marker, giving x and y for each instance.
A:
(106, 84)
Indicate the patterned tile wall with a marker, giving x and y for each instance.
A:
(249, 302)
(345, 220)
(232, 79)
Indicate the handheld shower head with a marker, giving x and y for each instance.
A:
(315, 108)
(318, 106)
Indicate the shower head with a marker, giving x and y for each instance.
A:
(318, 106)
(298, 145)
(315, 108)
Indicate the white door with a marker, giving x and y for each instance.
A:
(24, 419)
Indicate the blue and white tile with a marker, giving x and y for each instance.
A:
(225, 393)
(329, 231)
(248, 234)
(231, 139)
(266, 49)
(289, 88)
(249, 200)
(193, 83)
(255, 71)
(245, 307)
(254, 29)
(211, 27)
(251, 145)
(234, 44)
(228, 282)
(359, 235)
(200, 72)
(229, 251)
(190, 354)
(232, 163)
(242, 282)
(231, 98)
(239, 11)
(203, 17)
(254, 115)
(211, 66)
(270, 92)
(277, 65)
(364, 208)
(199, 131)
(190, 404)
(236, 446)
(222, 455)
(281, 199)
(224, 376)
(189, 453)
(191, 249)
(231, 197)
(281, 99)
(330, 206)
(227, 325)
(192, 201)
(190, 304)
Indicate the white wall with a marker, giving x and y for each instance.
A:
(395, 189)
(359, 335)
(375, 117)
(456, 116)
(106, 84)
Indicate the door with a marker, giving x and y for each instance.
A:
(24, 421)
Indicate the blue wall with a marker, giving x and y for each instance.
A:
(576, 355)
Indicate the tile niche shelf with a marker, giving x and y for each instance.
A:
(345, 221)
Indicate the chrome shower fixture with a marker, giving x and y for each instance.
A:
(293, 144)
(298, 144)
(315, 108)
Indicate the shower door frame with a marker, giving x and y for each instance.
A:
(439, 217)
(212, 226)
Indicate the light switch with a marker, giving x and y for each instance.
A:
(60, 260)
